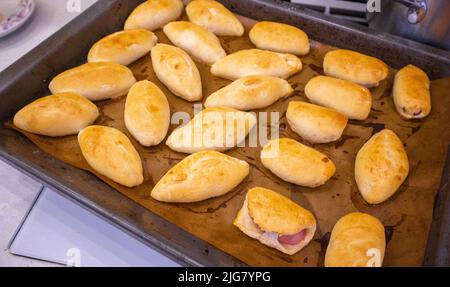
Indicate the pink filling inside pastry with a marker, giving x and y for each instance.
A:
(292, 239)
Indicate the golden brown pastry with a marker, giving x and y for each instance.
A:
(280, 38)
(200, 176)
(109, 152)
(95, 81)
(412, 93)
(381, 166)
(297, 163)
(123, 47)
(275, 220)
(348, 98)
(147, 113)
(56, 115)
(356, 67)
(219, 128)
(175, 69)
(314, 123)
(357, 240)
(154, 14)
(195, 40)
(215, 17)
(255, 62)
(253, 92)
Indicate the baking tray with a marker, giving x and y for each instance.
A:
(68, 47)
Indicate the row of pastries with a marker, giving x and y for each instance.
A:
(258, 80)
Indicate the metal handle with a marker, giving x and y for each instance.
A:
(417, 9)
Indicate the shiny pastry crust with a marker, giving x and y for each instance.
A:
(195, 40)
(280, 38)
(215, 17)
(266, 214)
(200, 176)
(411, 93)
(154, 14)
(356, 67)
(354, 242)
(253, 92)
(381, 166)
(350, 99)
(314, 123)
(218, 128)
(176, 70)
(255, 62)
(56, 115)
(109, 152)
(123, 47)
(147, 113)
(297, 163)
(95, 81)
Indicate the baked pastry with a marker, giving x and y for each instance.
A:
(95, 81)
(252, 92)
(176, 70)
(297, 163)
(314, 123)
(109, 152)
(195, 40)
(356, 67)
(56, 115)
(348, 98)
(154, 14)
(255, 62)
(147, 113)
(411, 93)
(123, 47)
(200, 176)
(275, 220)
(215, 17)
(357, 240)
(219, 128)
(381, 166)
(280, 38)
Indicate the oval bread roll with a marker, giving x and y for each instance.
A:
(275, 220)
(346, 97)
(356, 67)
(357, 240)
(175, 69)
(215, 17)
(147, 113)
(195, 40)
(56, 115)
(411, 93)
(95, 81)
(200, 176)
(109, 152)
(154, 14)
(253, 92)
(381, 166)
(280, 38)
(219, 128)
(123, 47)
(297, 163)
(255, 62)
(314, 123)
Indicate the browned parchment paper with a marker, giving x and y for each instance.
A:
(406, 216)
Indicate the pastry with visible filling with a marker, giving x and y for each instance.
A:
(275, 221)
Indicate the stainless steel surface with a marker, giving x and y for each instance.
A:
(426, 21)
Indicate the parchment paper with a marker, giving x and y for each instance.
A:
(406, 216)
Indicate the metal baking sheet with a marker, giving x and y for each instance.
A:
(227, 246)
